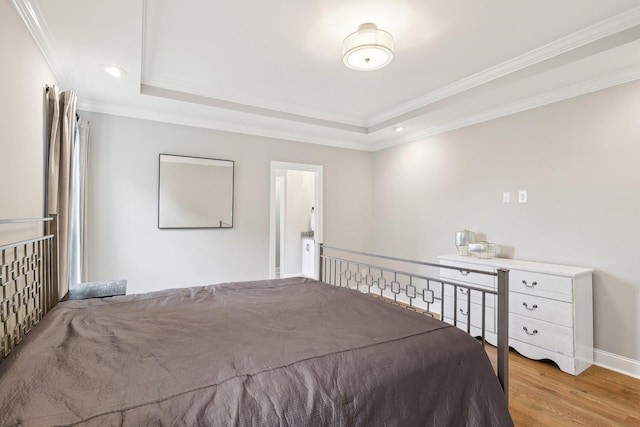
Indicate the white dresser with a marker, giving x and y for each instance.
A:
(550, 308)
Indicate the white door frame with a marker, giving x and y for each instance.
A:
(318, 236)
(283, 203)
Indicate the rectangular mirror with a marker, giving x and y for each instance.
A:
(195, 192)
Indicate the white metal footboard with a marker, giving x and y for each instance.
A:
(479, 311)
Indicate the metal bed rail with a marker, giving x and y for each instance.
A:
(28, 282)
(453, 302)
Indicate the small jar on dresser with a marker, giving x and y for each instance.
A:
(550, 307)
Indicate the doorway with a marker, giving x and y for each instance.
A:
(295, 219)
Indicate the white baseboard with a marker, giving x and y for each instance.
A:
(616, 363)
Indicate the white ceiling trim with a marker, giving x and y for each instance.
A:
(580, 38)
(161, 92)
(613, 79)
(225, 126)
(583, 88)
(35, 22)
(269, 106)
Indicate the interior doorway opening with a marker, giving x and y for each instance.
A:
(296, 219)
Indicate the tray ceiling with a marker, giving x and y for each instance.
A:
(275, 69)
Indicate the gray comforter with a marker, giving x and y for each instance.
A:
(270, 353)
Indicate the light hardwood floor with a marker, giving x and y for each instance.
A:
(540, 394)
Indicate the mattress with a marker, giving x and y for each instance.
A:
(276, 353)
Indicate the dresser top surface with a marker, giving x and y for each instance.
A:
(514, 264)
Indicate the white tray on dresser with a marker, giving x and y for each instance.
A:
(550, 308)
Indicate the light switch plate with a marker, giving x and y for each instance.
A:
(506, 197)
(522, 196)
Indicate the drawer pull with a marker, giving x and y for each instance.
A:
(464, 291)
(464, 272)
(535, 331)
(533, 307)
(524, 282)
(464, 313)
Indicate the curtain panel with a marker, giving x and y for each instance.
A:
(78, 250)
(62, 126)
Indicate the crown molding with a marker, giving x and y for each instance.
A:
(37, 26)
(583, 88)
(248, 102)
(572, 91)
(225, 126)
(589, 86)
(580, 38)
(161, 92)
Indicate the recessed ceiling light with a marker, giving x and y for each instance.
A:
(399, 129)
(114, 71)
(367, 49)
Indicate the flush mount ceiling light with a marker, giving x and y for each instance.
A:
(369, 48)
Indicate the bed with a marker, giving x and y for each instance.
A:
(293, 351)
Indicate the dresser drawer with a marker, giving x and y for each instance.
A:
(541, 285)
(476, 296)
(553, 311)
(542, 334)
(464, 275)
(463, 314)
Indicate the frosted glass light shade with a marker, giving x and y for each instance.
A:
(367, 49)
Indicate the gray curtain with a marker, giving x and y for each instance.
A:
(62, 125)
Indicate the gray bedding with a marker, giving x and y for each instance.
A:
(268, 353)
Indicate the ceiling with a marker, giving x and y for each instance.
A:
(274, 68)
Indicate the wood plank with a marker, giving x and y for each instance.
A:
(540, 394)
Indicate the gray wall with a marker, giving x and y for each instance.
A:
(125, 242)
(24, 74)
(579, 160)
